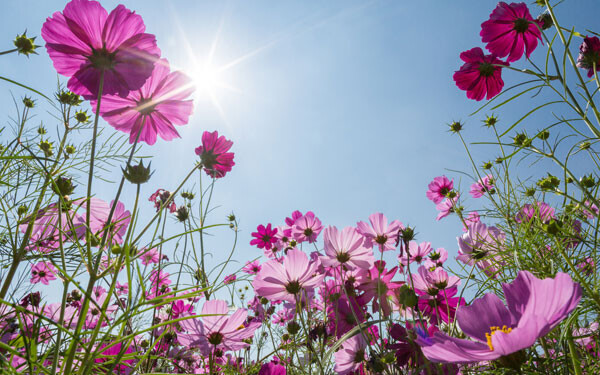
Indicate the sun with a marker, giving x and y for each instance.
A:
(207, 78)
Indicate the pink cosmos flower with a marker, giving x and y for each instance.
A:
(108, 354)
(510, 31)
(121, 289)
(150, 256)
(344, 314)
(277, 281)
(543, 212)
(43, 272)
(272, 368)
(446, 207)
(589, 54)
(380, 233)
(152, 110)
(432, 281)
(479, 245)
(217, 330)
(84, 40)
(472, 218)
(307, 228)
(351, 355)
(417, 252)
(264, 237)
(590, 210)
(484, 185)
(439, 188)
(214, 155)
(479, 75)
(533, 308)
(117, 228)
(252, 268)
(346, 248)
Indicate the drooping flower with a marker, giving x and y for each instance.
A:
(380, 233)
(153, 109)
(484, 185)
(351, 355)
(264, 237)
(346, 248)
(161, 197)
(84, 40)
(217, 330)
(589, 54)
(533, 308)
(214, 155)
(307, 228)
(43, 272)
(479, 246)
(439, 188)
(479, 76)
(229, 279)
(277, 281)
(446, 207)
(510, 31)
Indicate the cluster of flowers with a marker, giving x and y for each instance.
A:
(511, 32)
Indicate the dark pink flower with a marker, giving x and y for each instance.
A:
(378, 286)
(510, 31)
(272, 368)
(152, 110)
(479, 76)
(43, 272)
(264, 237)
(439, 188)
(85, 40)
(214, 155)
(160, 197)
(440, 307)
(533, 308)
(229, 279)
(589, 54)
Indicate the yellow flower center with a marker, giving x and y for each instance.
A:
(493, 330)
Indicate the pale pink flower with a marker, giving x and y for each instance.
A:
(307, 228)
(380, 232)
(346, 248)
(43, 272)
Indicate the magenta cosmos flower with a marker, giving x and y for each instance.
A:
(252, 268)
(479, 76)
(277, 281)
(533, 308)
(484, 185)
(346, 248)
(214, 155)
(380, 233)
(589, 54)
(154, 109)
(264, 237)
(510, 31)
(84, 40)
(439, 188)
(217, 330)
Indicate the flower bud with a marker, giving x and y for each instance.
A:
(25, 45)
(587, 181)
(545, 21)
(182, 213)
(137, 174)
(70, 149)
(68, 98)
(63, 186)
(293, 327)
(490, 121)
(28, 102)
(544, 135)
(41, 130)
(47, 148)
(487, 165)
(82, 117)
(116, 249)
(549, 183)
(456, 127)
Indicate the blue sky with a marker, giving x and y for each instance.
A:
(338, 107)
